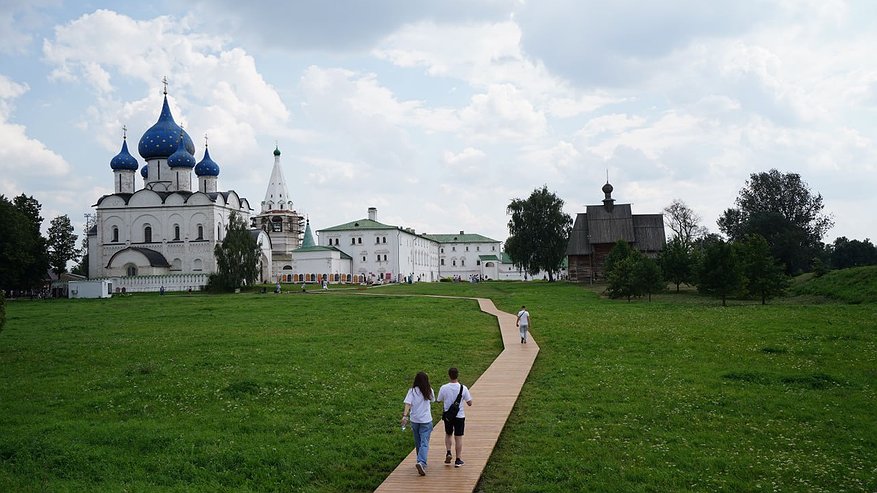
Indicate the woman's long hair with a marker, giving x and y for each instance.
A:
(421, 381)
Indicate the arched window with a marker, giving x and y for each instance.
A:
(147, 234)
(176, 232)
(130, 270)
(196, 265)
(462, 262)
(443, 261)
(177, 265)
(115, 234)
(200, 231)
(455, 263)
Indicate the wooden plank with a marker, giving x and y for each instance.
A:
(493, 396)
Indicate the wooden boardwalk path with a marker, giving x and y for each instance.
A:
(493, 396)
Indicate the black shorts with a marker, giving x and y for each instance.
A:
(455, 426)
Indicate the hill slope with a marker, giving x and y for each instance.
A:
(855, 285)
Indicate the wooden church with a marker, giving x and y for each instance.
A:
(596, 231)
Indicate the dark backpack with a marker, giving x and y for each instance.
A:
(454, 408)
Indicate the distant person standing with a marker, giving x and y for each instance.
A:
(417, 405)
(452, 394)
(523, 323)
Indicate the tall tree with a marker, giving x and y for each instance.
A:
(61, 244)
(720, 273)
(237, 257)
(765, 278)
(23, 260)
(677, 262)
(781, 208)
(684, 222)
(538, 232)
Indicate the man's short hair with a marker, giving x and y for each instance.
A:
(453, 373)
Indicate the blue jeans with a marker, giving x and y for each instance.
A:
(421, 439)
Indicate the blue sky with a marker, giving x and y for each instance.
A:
(440, 113)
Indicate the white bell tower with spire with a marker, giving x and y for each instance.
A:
(278, 218)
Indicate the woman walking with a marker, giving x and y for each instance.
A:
(417, 401)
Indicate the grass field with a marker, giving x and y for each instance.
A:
(302, 392)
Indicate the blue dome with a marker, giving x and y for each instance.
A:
(124, 160)
(181, 158)
(144, 171)
(160, 141)
(207, 166)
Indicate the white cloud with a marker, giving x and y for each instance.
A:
(22, 157)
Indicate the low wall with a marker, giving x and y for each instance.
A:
(153, 284)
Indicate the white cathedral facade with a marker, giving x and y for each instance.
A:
(165, 231)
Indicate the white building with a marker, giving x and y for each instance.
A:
(460, 254)
(380, 252)
(315, 263)
(165, 227)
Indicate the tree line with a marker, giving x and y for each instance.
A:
(25, 254)
(773, 231)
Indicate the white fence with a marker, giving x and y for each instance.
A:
(153, 284)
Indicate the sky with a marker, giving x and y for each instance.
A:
(440, 113)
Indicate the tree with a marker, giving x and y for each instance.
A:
(677, 262)
(630, 273)
(23, 260)
(764, 276)
(82, 267)
(237, 257)
(2, 310)
(538, 232)
(647, 277)
(719, 273)
(622, 277)
(781, 208)
(620, 251)
(684, 222)
(852, 253)
(61, 244)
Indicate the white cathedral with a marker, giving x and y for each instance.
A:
(163, 234)
(166, 227)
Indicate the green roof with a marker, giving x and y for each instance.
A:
(309, 237)
(318, 248)
(461, 238)
(361, 224)
(488, 257)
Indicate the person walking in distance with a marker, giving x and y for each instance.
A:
(417, 405)
(452, 395)
(523, 323)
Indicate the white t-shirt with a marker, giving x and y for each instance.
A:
(420, 412)
(524, 317)
(448, 394)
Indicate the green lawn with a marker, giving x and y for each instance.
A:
(302, 392)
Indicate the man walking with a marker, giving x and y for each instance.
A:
(523, 323)
(451, 395)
